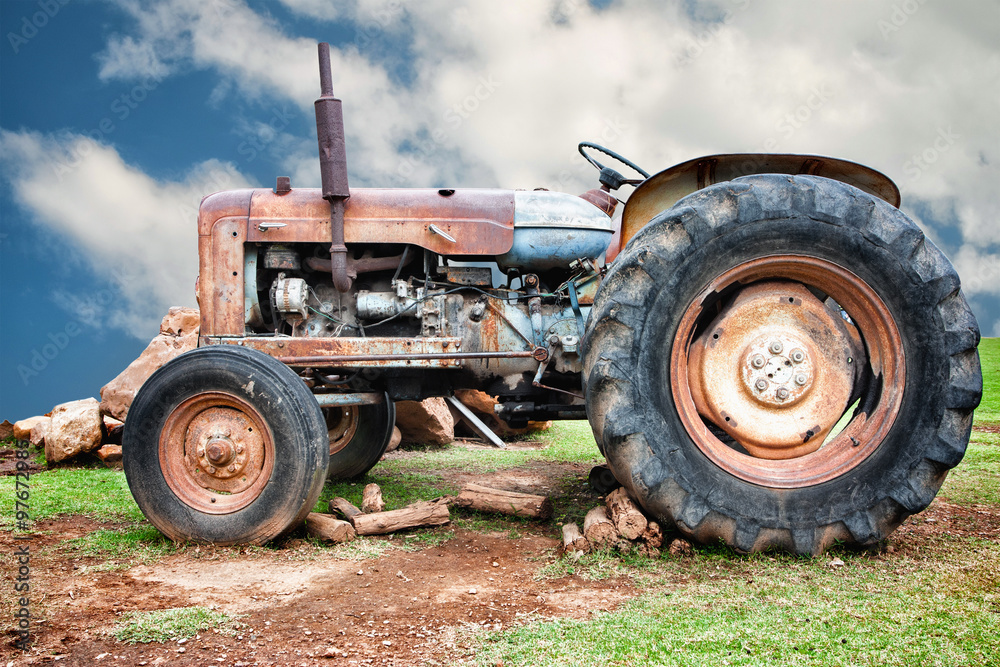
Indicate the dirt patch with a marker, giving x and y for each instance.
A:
(300, 603)
(8, 462)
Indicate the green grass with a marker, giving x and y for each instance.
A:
(976, 480)
(99, 493)
(762, 610)
(124, 547)
(989, 359)
(168, 624)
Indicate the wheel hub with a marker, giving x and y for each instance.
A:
(215, 453)
(774, 370)
(777, 370)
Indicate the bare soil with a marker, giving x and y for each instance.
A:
(301, 604)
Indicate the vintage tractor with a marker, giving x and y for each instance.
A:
(768, 351)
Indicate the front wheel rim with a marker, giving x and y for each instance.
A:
(216, 453)
(886, 359)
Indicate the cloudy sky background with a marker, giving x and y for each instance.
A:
(116, 116)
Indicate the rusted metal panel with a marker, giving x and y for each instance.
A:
(481, 222)
(365, 352)
(220, 284)
(663, 190)
(232, 209)
(232, 204)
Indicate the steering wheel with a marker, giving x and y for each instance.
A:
(610, 178)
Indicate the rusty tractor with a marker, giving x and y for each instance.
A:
(769, 352)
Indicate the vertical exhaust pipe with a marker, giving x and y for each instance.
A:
(333, 166)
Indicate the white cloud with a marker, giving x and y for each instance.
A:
(127, 59)
(134, 231)
(501, 92)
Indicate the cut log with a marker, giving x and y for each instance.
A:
(485, 499)
(417, 515)
(372, 501)
(653, 535)
(328, 529)
(573, 539)
(344, 508)
(598, 529)
(625, 514)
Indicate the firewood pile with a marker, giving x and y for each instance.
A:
(619, 524)
(373, 519)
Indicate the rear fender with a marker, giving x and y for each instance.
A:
(661, 191)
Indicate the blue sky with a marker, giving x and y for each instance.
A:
(116, 116)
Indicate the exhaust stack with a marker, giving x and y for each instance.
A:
(333, 166)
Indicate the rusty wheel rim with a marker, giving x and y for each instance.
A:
(216, 453)
(342, 424)
(880, 342)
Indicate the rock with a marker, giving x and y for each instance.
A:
(110, 454)
(483, 405)
(426, 422)
(180, 321)
(75, 428)
(680, 548)
(176, 338)
(39, 432)
(6, 430)
(394, 441)
(113, 430)
(22, 428)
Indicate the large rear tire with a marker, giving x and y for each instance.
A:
(225, 445)
(703, 415)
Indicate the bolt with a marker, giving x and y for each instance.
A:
(231, 468)
(801, 379)
(211, 470)
(761, 384)
(775, 347)
(798, 356)
(553, 340)
(201, 451)
(782, 393)
(239, 449)
(757, 361)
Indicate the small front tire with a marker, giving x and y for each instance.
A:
(225, 445)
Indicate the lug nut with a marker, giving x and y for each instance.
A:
(201, 451)
(761, 384)
(211, 470)
(782, 393)
(798, 356)
(775, 347)
(757, 361)
(801, 379)
(231, 468)
(239, 449)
